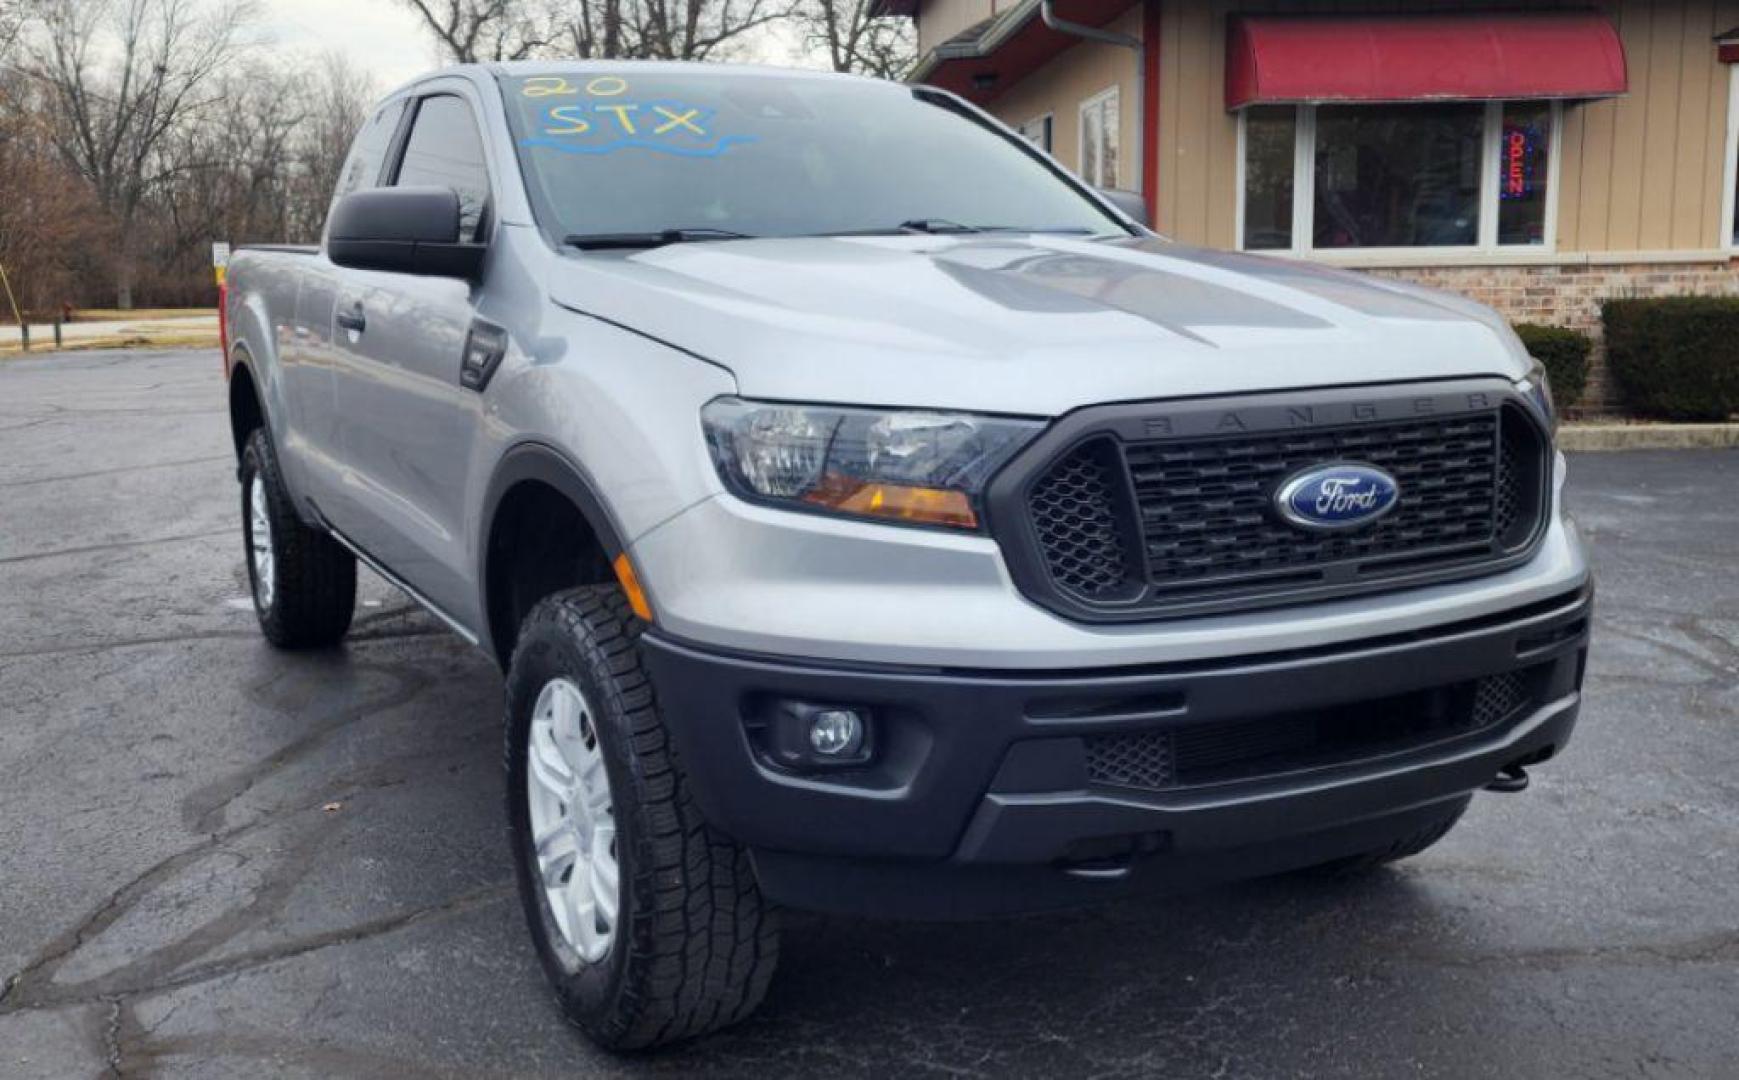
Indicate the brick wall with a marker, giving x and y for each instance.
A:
(1570, 295)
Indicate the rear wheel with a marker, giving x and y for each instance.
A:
(303, 581)
(648, 923)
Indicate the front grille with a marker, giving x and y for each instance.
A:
(1207, 508)
(1159, 759)
(1182, 524)
(1075, 513)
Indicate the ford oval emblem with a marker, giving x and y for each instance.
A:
(1342, 496)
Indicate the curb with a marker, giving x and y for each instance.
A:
(1587, 438)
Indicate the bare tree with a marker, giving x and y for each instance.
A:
(856, 39)
(48, 221)
(674, 29)
(11, 24)
(335, 112)
(123, 75)
(473, 31)
(470, 31)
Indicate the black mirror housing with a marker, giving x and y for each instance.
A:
(408, 230)
(1132, 204)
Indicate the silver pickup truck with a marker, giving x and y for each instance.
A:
(869, 517)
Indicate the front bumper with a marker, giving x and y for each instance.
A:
(980, 799)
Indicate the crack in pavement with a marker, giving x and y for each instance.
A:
(63, 552)
(208, 802)
(206, 635)
(1719, 947)
(112, 1037)
(114, 471)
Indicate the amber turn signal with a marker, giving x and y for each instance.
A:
(630, 582)
(869, 498)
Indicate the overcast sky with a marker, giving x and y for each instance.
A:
(386, 38)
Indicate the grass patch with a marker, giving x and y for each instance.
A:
(84, 315)
(164, 339)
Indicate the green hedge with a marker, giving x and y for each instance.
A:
(1565, 354)
(1675, 358)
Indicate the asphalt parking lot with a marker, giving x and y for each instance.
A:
(220, 860)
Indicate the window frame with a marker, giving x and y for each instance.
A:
(1110, 93)
(1487, 246)
(1730, 165)
(1049, 120)
(484, 230)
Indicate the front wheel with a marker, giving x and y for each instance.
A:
(648, 923)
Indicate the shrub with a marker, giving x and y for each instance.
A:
(1564, 352)
(1675, 358)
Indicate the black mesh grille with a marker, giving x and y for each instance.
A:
(1202, 527)
(1075, 513)
(1510, 501)
(1206, 507)
(1141, 759)
(1497, 697)
(1206, 753)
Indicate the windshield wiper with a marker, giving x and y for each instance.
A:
(944, 227)
(657, 238)
(1061, 230)
(936, 225)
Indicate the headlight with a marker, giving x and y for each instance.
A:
(1539, 392)
(922, 468)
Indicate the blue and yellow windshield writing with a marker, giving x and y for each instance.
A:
(598, 116)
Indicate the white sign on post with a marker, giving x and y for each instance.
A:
(219, 255)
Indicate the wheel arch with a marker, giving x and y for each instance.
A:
(543, 528)
(247, 405)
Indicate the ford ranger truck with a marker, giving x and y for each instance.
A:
(869, 517)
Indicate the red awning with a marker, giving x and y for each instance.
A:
(1463, 56)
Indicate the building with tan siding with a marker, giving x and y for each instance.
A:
(1539, 156)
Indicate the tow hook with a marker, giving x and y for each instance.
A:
(1511, 779)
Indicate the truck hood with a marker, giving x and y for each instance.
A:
(1033, 325)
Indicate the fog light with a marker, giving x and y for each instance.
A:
(836, 733)
(813, 736)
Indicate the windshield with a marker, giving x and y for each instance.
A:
(716, 155)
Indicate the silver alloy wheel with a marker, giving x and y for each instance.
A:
(573, 823)
(260, 548)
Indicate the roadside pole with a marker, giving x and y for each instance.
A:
(23, 331)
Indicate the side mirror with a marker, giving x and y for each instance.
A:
(408, 230)
(1132, 204)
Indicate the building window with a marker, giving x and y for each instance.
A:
(1100, 132)
(1038, 132)
(1466, 176)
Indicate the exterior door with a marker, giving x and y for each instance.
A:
(406, 424)
(312, 447)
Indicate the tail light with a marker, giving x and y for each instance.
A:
(223, 323)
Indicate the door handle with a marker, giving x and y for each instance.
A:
(354, 321)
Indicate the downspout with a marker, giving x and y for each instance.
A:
(1048, 12)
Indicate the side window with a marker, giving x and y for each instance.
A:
(362, 167)
(444, 150)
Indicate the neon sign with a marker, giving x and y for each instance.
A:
(1518, 162)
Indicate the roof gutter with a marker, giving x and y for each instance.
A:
(1047, 12)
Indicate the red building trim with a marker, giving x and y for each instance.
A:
(1150, 107)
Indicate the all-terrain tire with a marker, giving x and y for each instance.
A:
(694, 944)
(311, 592)
(1404, 847)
